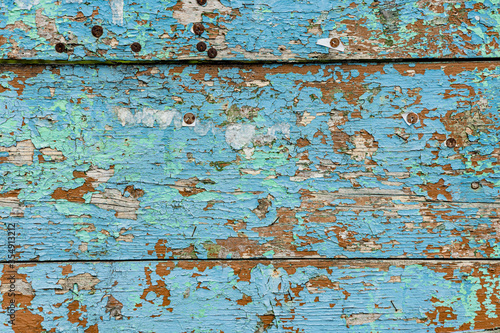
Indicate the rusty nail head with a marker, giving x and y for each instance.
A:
(202, 2)
(475, 185)
(212, 53)
(198, 28)
(60, 48)
(189, 118)
(136, 47)
(97, 31)
(450, 143)
(412, 118)
(334, 42)
(201, 46)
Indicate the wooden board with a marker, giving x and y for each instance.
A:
(282, 161)
(253, 296)
(176, 166)
(248, 30)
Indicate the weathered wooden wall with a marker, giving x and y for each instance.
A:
(289, 160)
(256, 296)
(302, 199)
(274, 30)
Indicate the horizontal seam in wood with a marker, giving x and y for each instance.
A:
(243, 62)
(357, 259)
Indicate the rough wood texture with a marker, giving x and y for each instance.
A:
(283, 161)
(119, 214)
(254, 296)
(248, 30)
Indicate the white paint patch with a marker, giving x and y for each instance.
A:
(74, 1)
(117, 11)
(148, 117)
(248, 152)
(271, 133)
(124, 115)
(326, 42)
(239, 135)
(279, 128)
(203, 129)
(27, 4)
(191, 12)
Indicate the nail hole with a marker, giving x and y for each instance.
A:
(97, 31)
(198, 28)
(189, 118)
(136, 47)
(212, 53)
(334, 42)
(450, 143)
(412, 118)
(60, 48)
(201, 46)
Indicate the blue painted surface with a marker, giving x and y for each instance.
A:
(242, 30)
(283, 161)
(233, 296)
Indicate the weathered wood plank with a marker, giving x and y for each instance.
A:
(248, 30)
(252, 296)
(283, 160)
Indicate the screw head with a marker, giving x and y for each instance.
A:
(60, 48)
(189, 118)
(450, 142)
(97, 31)
(202, 2)
(212, 53)
(334, 42)
(412, 118)
(136, 47)
(201, 46)
(475, 185)
(198, 28)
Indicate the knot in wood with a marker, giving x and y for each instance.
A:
(202, 2)
(475, 185)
